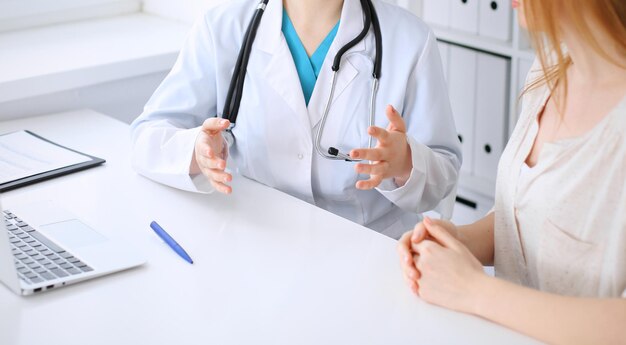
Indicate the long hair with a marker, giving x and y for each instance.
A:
(588, 18)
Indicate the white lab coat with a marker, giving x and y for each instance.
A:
(275, 129)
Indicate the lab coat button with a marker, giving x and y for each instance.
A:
(300, 156)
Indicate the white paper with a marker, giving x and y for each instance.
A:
(23, 155)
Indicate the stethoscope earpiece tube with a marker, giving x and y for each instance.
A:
(235, 90)
(246, 57)
(365, 4)
(378, 62)
(234, 79)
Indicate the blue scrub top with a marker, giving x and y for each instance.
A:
(308, 67)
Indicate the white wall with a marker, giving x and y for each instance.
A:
(183, 10)
(122, 99)
(189, 10)
(414, 6)
(22, 14)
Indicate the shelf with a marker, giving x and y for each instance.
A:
(478, 185)
(64, 57)
(490, 45)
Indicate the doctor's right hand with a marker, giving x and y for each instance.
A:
(210, 154)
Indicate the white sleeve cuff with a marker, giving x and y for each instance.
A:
(164, 154)
(432, 179)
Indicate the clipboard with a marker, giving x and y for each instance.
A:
(50, 174)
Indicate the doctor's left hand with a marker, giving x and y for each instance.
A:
(391, 158)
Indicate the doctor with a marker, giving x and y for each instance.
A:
(413, 162)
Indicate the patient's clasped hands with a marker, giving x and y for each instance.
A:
(439, 268)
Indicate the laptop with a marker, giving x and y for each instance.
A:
(44, 247)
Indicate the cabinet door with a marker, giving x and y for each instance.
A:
(464, 15)
(462, 85)
(491, 113)
(495, 19)
(437, 12)
(470, 207)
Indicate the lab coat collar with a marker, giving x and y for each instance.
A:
(269, 34)
(350, 26)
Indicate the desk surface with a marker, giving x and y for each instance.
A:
(268, 269)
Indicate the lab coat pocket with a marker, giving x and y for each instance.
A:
(567, 265)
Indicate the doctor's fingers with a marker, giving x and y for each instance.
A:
(218, 179)
(371, 183)
(222, 187)
(218, 175)
(215, 125)
(375, 154)
(211, 162)
(381, 134)
(378, 168)
(212, 145)
(396, 122)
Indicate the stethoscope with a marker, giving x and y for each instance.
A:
(235, 90)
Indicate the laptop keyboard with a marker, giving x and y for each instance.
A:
(38, 259)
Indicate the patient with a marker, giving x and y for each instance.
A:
(557, 235)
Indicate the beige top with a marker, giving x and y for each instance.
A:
(561, 226)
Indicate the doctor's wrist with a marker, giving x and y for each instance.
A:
(400, 181)
(194, 168)
(407, 167)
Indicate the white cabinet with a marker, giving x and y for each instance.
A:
(479, 87)
(487, 18)
(462, 83)
(470, 207)
(486, 59)
(491, 108)
(437, 12)
(464, 15)
(494, 19)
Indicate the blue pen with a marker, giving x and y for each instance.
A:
(170, 242)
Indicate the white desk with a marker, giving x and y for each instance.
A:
(269, 269)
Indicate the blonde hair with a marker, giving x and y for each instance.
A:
(608, 16)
